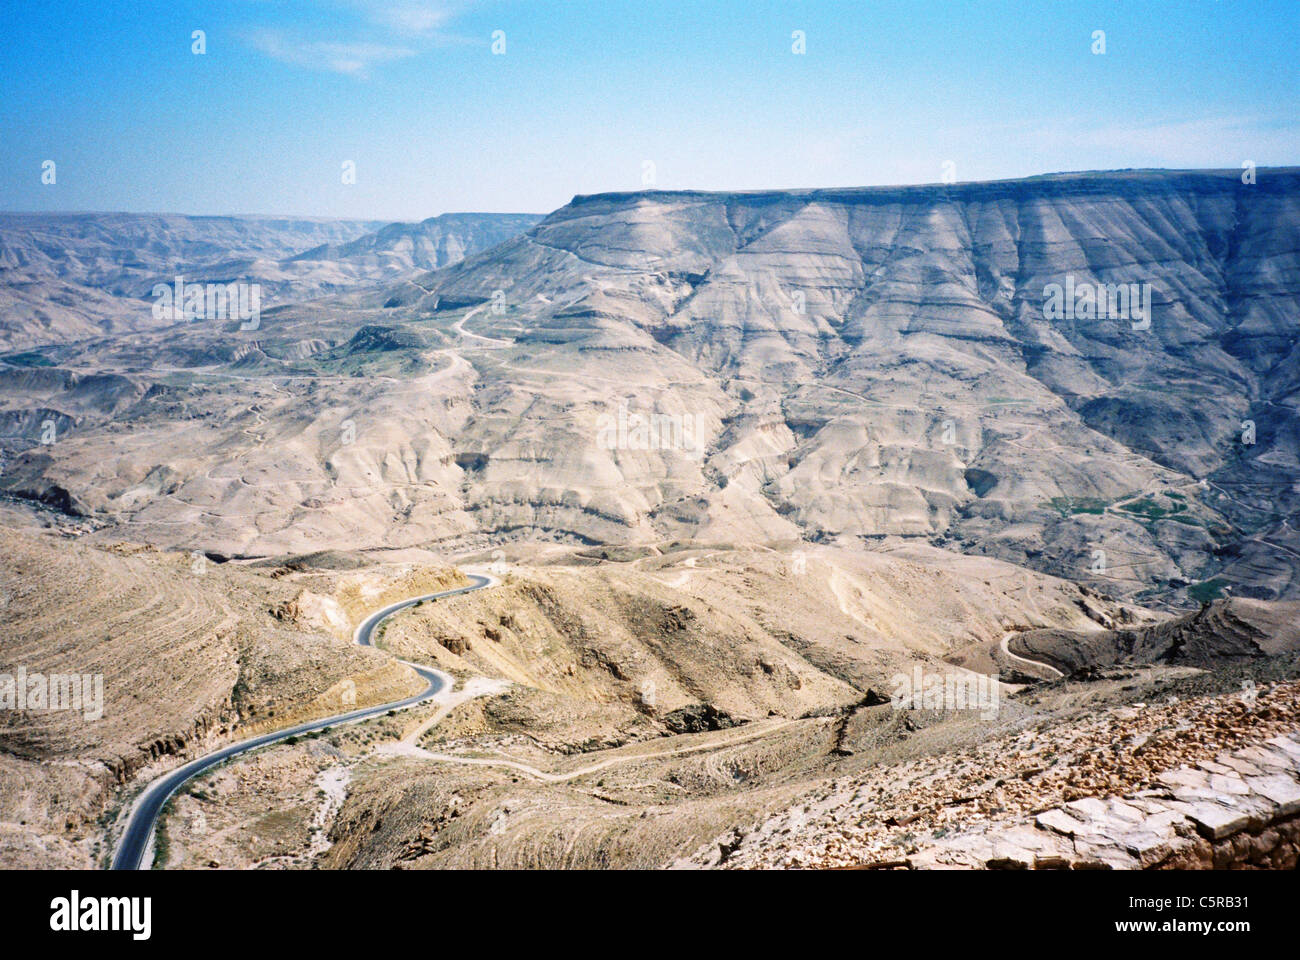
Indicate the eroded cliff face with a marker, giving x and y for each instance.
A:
(889, 361)
(834, 366)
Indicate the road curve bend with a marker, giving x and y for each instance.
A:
(1041, 664)
(136, 839)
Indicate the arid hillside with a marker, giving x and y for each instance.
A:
(761, 478)
(829, 366)
(654, 711)
(181, 654)
(71, 277)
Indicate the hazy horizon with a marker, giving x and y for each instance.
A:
(291, 215)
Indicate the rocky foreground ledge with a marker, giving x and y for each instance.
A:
(1211, 782)
(1241, 810)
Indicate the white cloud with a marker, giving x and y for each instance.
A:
(354, 59)
(411, 18)
(382, 31)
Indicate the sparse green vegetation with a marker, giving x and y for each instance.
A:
(1068, 506)
(1145, 507)
(1206, 590)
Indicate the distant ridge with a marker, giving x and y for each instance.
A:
(1067, 183)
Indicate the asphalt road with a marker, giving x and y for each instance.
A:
(144, 815)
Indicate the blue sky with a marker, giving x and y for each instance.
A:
(587, 93)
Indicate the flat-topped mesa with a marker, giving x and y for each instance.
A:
(1056, 185)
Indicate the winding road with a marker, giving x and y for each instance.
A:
(731, 738)
(459, 327)
(1040, 664)
(137, 838)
